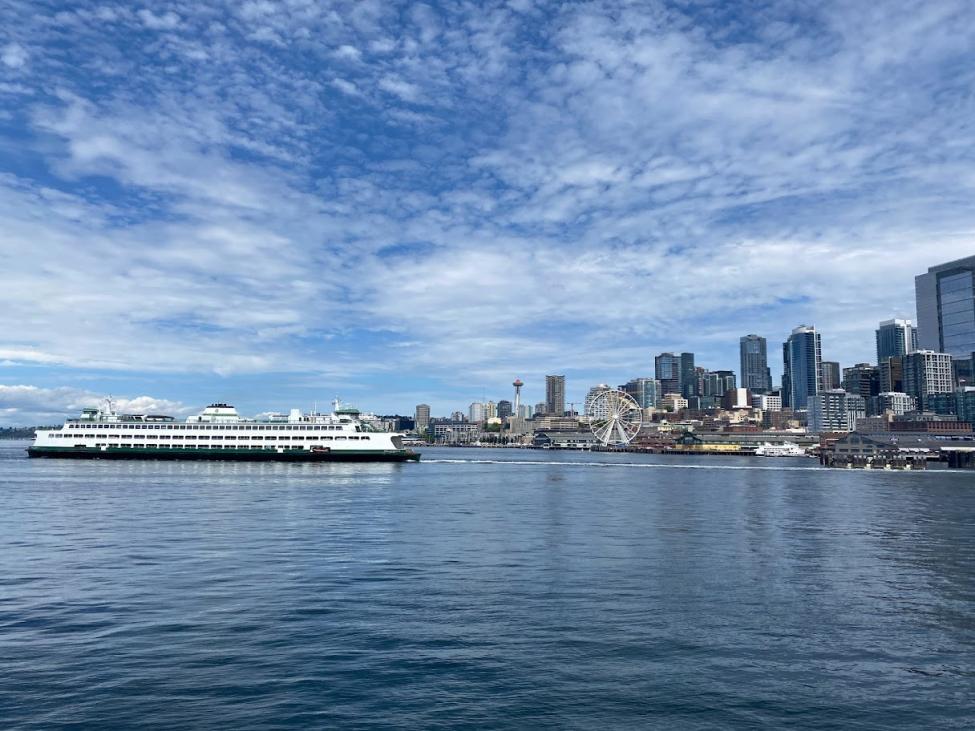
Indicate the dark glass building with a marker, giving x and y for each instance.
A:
(755, 373)
(688, 375)
(802, 376)
(831, 375)
(667, 369)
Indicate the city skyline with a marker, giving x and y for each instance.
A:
(403, 204)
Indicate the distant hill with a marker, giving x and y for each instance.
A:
(21, 432)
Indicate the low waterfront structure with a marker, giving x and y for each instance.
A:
(564, 440)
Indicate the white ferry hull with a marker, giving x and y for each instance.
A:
(256, 455)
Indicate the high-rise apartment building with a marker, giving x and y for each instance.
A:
(476, 413)
(555, 395)
(946, 308)
(834, 410)
(591, 398)
(667, 369)
(895, 338)
(895, 403)
(421, 418)
(802, 367)
(755, 373)
(927, 373)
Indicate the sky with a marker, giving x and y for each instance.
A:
(276, 202)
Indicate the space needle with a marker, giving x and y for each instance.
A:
(517, 384)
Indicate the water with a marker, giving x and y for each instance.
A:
(484, 589)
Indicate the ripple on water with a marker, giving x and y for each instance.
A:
(487, 589)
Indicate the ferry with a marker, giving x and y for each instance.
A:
(786, 449)
(220, 433)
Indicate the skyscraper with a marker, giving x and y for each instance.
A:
(667, 372)
(755, 373)
(555, 395)
(802, 375)
(831, 375)
(688, 375)
(422, 418)
(895, 338)
(946, 308)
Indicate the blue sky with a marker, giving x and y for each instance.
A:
(276, 202)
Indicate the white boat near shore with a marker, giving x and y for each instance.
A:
(786, 449)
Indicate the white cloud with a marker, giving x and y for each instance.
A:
(403, 89)
(14, 55)
(22, 405)
(164, 21)
(586, 184)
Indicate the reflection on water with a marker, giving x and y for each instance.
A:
(484, 588)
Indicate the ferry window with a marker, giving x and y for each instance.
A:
(329, 438)
(364, 437)
(340, 437)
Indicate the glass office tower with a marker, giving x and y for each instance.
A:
(946, 308)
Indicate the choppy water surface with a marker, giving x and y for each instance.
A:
(484, 589)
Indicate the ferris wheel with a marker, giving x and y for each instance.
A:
(616, 417)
